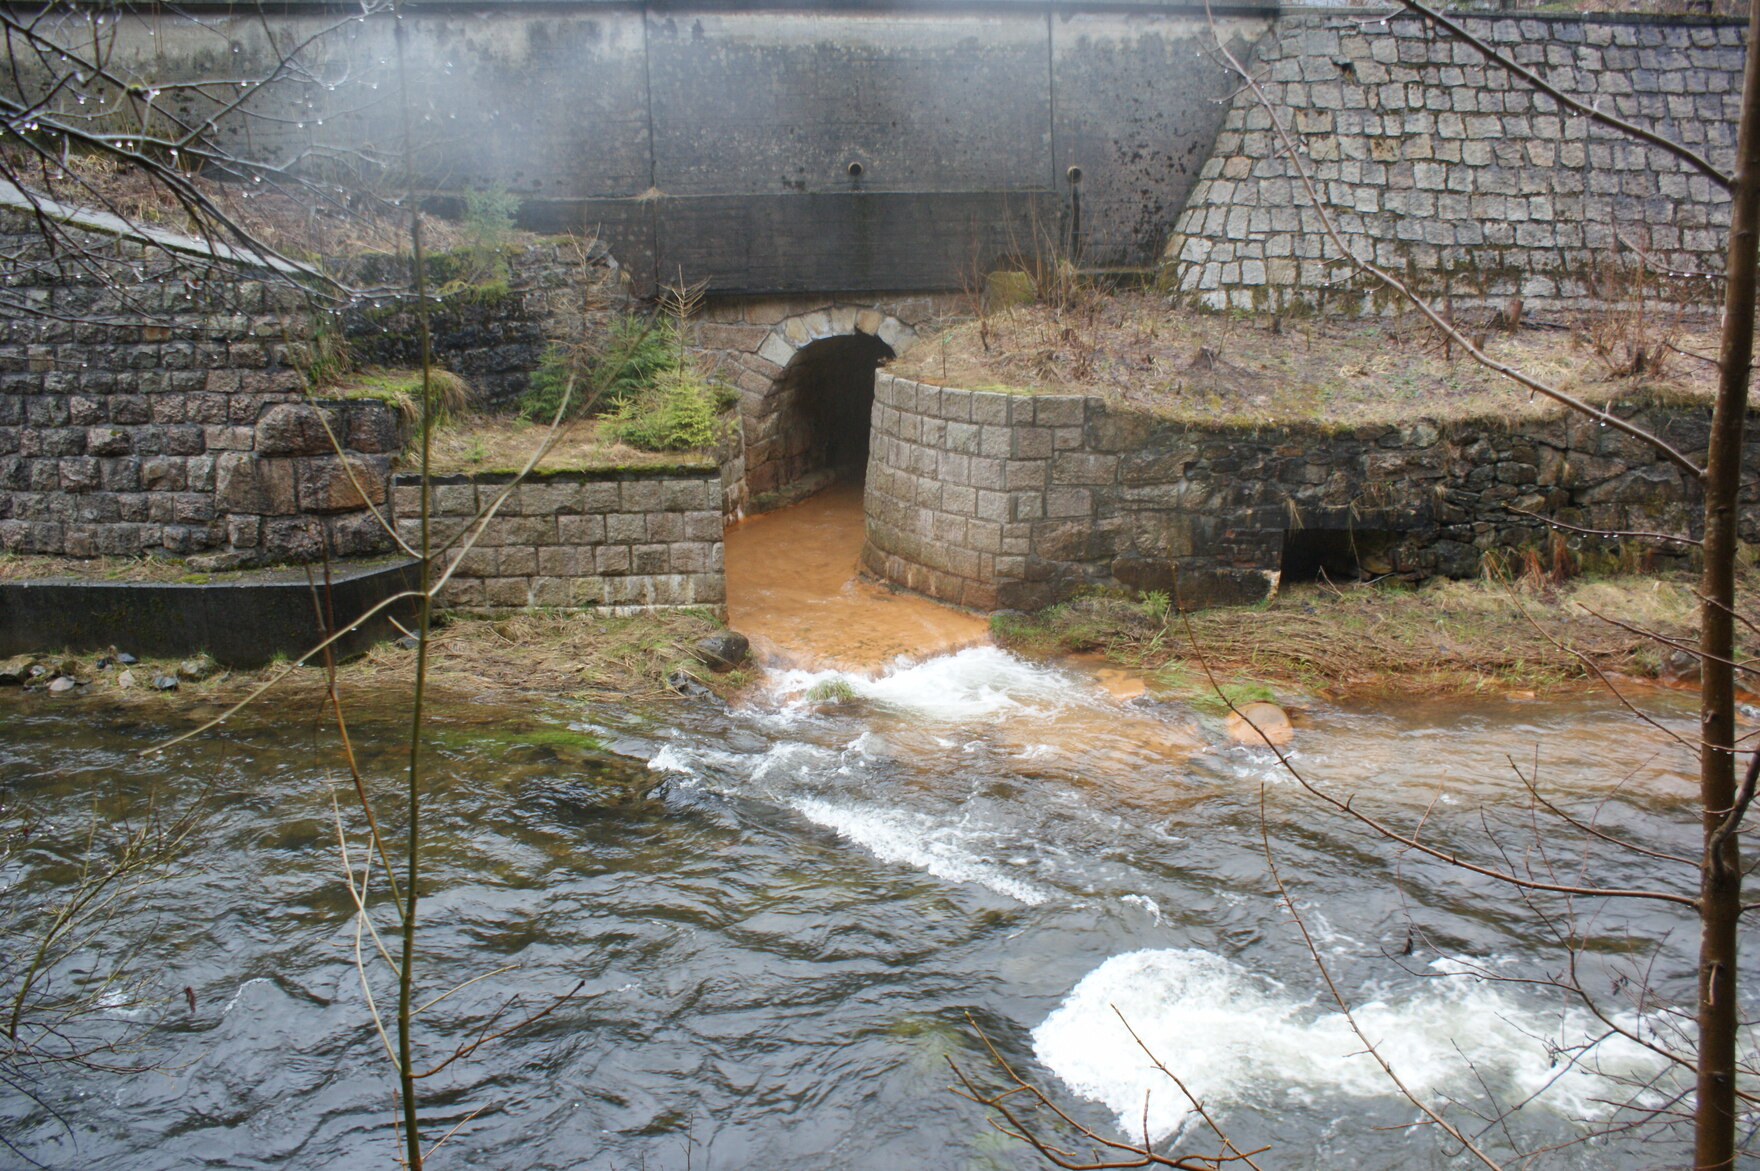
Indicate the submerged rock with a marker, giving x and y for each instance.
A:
(723, 650)
(1257, 723)
(685, 685)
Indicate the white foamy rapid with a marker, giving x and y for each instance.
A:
(973, 684)
(912, 839)
(957, 845)
(1236, 1039)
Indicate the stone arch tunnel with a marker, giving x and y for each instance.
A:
(825, 398)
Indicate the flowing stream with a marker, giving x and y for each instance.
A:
(783, 915)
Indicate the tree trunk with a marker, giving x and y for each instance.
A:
(1714, 1119)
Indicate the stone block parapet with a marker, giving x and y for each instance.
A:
(624, 539)
(994, 500)
(1455, 175)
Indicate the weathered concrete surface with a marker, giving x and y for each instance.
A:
(242, 622)
(720, 140)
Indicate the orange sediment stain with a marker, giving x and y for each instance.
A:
(793, 589)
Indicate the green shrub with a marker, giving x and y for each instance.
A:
(637, 352)
(488, 222)
(678, 410)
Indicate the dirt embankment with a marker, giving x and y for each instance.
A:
(524, 659)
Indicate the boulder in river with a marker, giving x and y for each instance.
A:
(1257, 723)
(16, 671)
(724, 650)
(165, 682)
(196, 669)
(62, 683)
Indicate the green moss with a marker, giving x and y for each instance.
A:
(1239, 693)
(559, 738)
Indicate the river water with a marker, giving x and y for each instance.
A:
(783, 914)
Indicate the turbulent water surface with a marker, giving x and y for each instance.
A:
(784, 913)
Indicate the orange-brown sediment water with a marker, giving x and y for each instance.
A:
(793, 589)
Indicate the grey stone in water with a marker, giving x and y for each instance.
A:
(126, 659)
(1680, 666)
(16, 670)
(165, 682)
(60, 684)
(197, 669)
(747, 743)
(724, 650)
(681, 682)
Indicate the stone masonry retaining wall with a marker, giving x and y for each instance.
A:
(494, 335)
(1438, 165)
(1015, 501)
(148, 405)
(624, 538)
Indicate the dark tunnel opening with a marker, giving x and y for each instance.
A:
(1338, 555)
(828, 396)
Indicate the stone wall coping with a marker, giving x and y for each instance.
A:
(341, 569)
(566, 475)
(15, 198)
(241, 621)
(1159, 7)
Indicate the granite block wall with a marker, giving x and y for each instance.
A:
(638, 538)
(149, 405)
(1444, 168)
(995, 500)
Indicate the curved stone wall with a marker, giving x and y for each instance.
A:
(994, 500)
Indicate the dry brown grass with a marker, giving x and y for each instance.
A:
(296, 220)
(1447, 638)
(1137, 350)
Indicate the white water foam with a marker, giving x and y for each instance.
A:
(1236, 1039)
(911, 839)
(973, 684)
